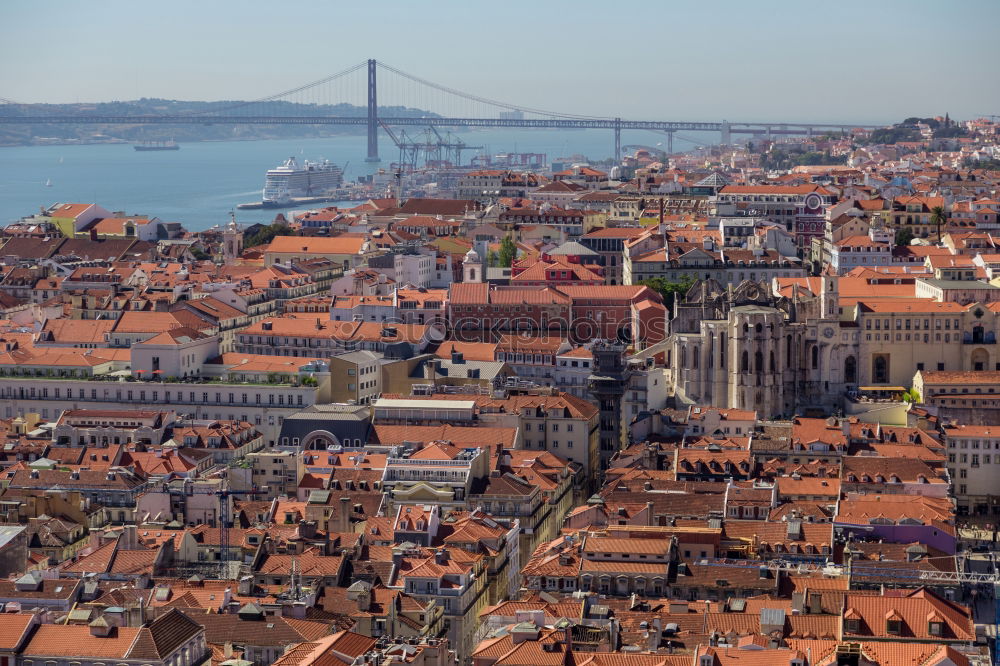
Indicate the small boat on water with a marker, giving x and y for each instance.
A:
(157, 145)
(48, 182)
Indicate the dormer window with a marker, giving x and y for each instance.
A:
(893, 627)
(852, 626)
(935, 628)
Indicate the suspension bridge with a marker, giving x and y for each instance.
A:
(391, 97)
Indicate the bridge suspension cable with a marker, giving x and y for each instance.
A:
(291, 91)
(484, 100)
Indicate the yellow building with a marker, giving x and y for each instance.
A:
(899, 337)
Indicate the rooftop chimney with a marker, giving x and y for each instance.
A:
(344, 517)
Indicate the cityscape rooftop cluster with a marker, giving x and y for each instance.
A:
(730, 407)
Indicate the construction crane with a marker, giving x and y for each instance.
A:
(225, 519)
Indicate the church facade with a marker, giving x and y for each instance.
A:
(743, 347)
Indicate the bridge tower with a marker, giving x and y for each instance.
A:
(618, 139)
(726, 136)
(372, 113)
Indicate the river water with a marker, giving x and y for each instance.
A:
(200, 183)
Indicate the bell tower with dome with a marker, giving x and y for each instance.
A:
(232, 241)
(472, 267)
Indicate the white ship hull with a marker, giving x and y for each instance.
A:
(290, 181)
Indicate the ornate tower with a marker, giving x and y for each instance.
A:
(232, 240)
(829, 296)
(472, 267)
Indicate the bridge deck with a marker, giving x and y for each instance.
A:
(553, 123)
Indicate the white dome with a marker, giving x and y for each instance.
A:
(472, 257)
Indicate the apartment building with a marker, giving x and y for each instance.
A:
(319, 338)
(971, 397)
(799, 208)
(346, 250)
(973, 465)
(439, 474)
(452, 579)
(270, 474)
(572, 369)
(491, 184)
(355, 377)
(610, 244)
(580, 312)
(559, 423)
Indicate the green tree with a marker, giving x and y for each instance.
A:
(992, 164)
(903, 237)
(492, 258)
(937, 219)
(667, 289)
(199, 253)
(508, 252)
(267, 234)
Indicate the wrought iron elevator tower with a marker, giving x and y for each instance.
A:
(607, 384)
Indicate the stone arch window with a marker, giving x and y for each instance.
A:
(815, 357)
(850, 370)
(788, 350)
(880, 370)
(683, 358)
(758, 328)
(758, 362)
(772, 366)
(745, 361)
(694, 357)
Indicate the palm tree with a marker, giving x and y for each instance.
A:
(937, 218)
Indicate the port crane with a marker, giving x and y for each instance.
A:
(433, 146)
(452, 147)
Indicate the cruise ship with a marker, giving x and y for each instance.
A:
(289, 181)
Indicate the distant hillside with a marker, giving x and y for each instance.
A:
(44, 132)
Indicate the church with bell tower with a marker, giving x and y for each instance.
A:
(741, 346)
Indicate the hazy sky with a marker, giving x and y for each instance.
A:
(841, 61)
